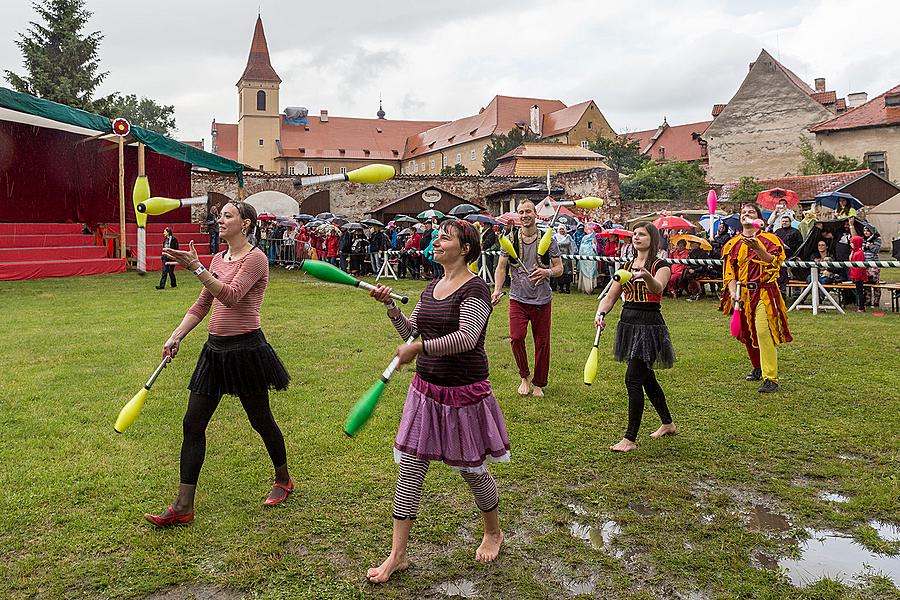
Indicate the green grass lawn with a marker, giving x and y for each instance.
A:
(73, 491)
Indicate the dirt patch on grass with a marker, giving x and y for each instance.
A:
(196, 591)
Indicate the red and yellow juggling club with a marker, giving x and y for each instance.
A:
(160, 206)
(593, 361)
(368, 174)
(365, 406)
(132, 410)
(328, 272)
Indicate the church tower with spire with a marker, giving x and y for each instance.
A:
(259, 123)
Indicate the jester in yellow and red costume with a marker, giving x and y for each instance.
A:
(763, 313)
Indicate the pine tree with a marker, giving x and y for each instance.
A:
(61, 62)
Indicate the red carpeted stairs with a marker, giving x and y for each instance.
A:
(38, 250)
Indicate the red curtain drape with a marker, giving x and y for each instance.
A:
(47, 177)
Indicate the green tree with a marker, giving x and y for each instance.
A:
(61, 63)
(818, 162)
(144, 112)
(502, 144)
(670, 180)
(747, 190)
(458, 169)
(621, 154)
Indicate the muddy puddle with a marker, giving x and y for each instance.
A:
(576, 587)
(642, 509)
(889, 532)
(461, 588)
(761, 518)
(833, 555)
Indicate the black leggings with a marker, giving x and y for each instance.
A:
(199, 412)
(639, 377)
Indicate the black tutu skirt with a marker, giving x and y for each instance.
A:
(643, 334)
(239, 365)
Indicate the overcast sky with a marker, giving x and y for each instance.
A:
(639, 61)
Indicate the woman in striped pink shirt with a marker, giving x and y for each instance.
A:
(236, 358)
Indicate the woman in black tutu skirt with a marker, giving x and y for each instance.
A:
(235, 360)
(642, 338)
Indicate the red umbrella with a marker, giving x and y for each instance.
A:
(769, 198)
(508, 218)
(615, 233)
(668, 222)
(264, 216)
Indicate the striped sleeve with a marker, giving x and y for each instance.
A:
(405, 327)
(473, 317)
(204, 302)
(254, 268)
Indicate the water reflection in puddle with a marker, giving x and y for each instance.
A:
(576, 587)
(889, 532)
(461, 587)
(763, 519)
(833, 497)
(597, 537)
(836, 556)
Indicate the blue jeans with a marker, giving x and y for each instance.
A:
(375, 257)
(344, 259)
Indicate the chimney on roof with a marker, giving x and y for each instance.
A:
(323, 116)
(536, 120)
(820, 84)
(856, 99)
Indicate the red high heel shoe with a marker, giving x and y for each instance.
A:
(172, 519)
(287, 492)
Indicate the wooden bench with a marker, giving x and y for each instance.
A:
(893, 288)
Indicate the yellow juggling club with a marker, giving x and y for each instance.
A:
(588, 203)
(140, 194)
(622, 276)
(593, 361)
(160, 206)
(508, 247)
(131, 411)
(369, 174)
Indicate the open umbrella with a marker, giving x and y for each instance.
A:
(669, 222)
(567, 220)
(407, 231)
(769, 198)
(372, 222)
(352, 226)
(405, 219)
(304, 217)
(290, 223)
(831, 200)
(324, 215)
(431, 214)
(486, 219)
(337, 221)
(508, 218)
(461, 210)
(615, 233)
(264, 216)
(687, 237)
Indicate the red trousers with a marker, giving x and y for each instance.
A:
(539, 316)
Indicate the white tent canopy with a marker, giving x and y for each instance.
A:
(886, 219)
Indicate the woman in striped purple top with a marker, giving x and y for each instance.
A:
(451, 414)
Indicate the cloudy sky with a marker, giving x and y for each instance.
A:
(639, 61)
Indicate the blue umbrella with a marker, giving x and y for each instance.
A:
(733, 222)
(830, 200)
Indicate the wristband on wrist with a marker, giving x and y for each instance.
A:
(199, 270)
(392, 305)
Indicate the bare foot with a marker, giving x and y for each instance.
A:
(664, 430)
(524, 387)
(390, 565)
(537, 391)
(625, 445)
(490, 547)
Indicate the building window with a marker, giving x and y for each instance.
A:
(343, 170)
(472, 155)
(291, 170)
(326, 171)
(458, 158)
(262, 168)
(260, 100)
(310, 170)
(260, 142)
(590, 124)
(585, 144)
(423, 166)
(877, 161)
(431, 164)
(445, 161)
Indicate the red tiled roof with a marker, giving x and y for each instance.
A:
(225, 140)
(504, 169)
(563, 120)
(259, 68)
(874, 113)
(551, 152)
(679, 141)
(806, 186)
(498, 117)
(824, 97)
(841, 104)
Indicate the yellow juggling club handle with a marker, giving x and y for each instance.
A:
(132, 410)
(369, 174)
(593, 361)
